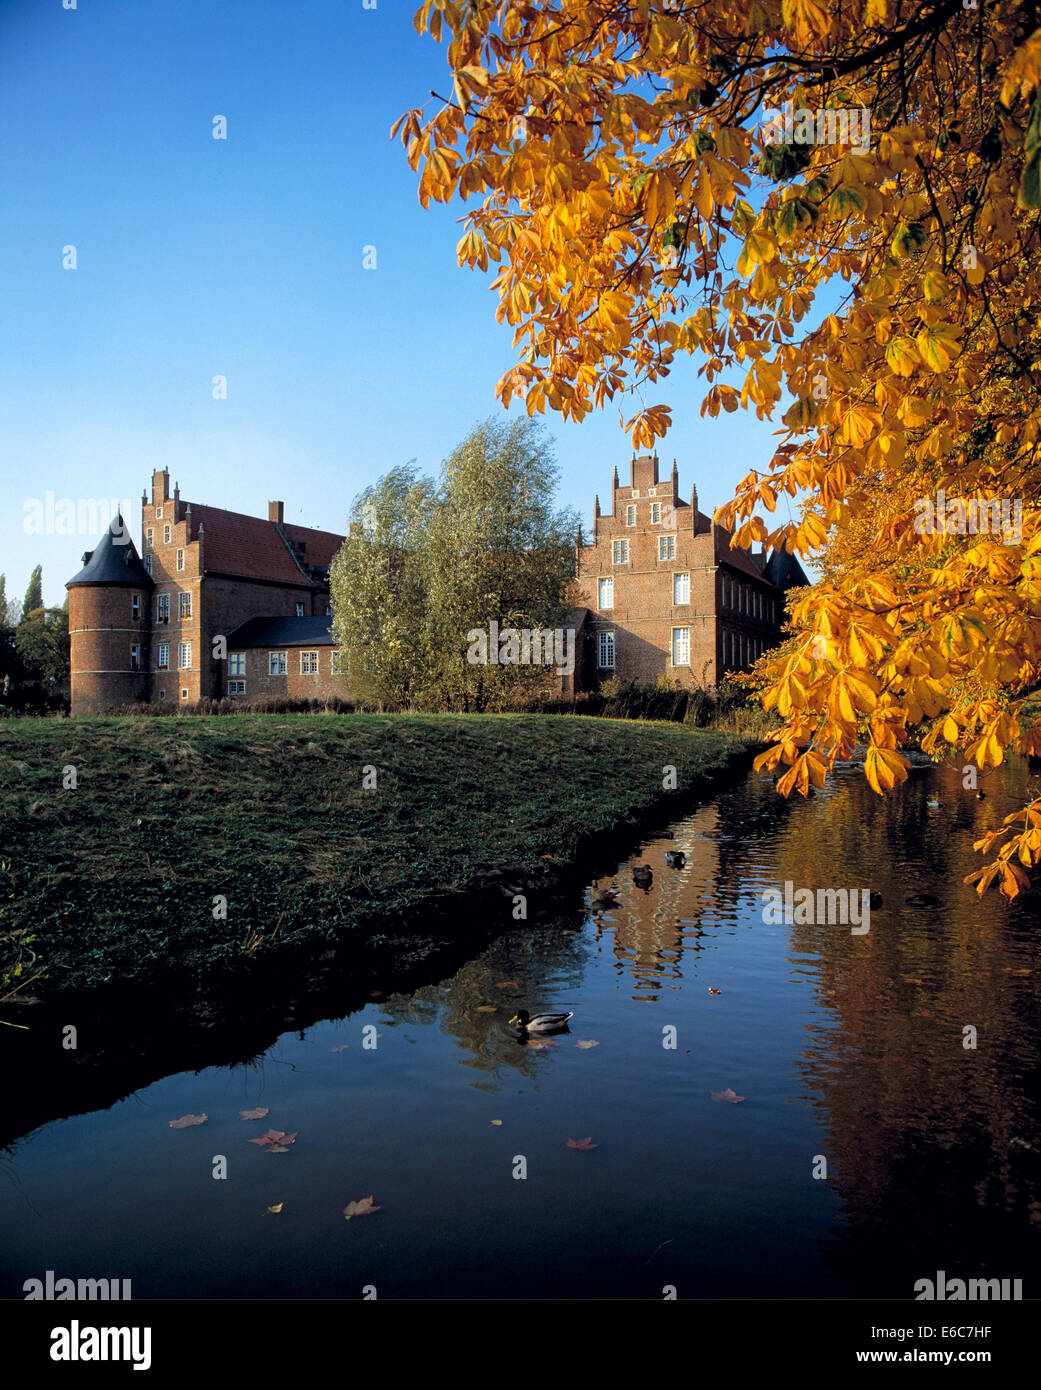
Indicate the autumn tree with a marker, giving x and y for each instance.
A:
(833, 207)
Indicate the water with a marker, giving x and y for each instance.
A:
(846, 1047)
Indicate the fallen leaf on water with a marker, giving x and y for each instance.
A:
(257, 1114)
(365, 1207)
(187, 1120)
(507, 984)
(584, 1144)
(342, 1048)
(587, 1042)
(727, 1095)
(910, 980)
(714, 991)
(275, 1210)
(485, 1008)
(495, 1122)
(276, 1136)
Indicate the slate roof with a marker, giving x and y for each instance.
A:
(114, 560)
(250, 547)
(784, 571)
(282, 632)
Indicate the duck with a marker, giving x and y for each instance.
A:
(605, 901)
(541, 1023)
(981, 796)
(643, 875)
(675, 858)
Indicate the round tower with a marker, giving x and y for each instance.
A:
(110, 618)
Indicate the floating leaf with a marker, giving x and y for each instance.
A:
(485, 1008)
(187, 1120)
(584, 1144)
(275, 1210)
(585, 1043)
(727, 1095)
(541, 1042)
(342, 1048)
(714, 991)
(276, 1136)
(495, 1122)
(364, 1207)
(257, 1114)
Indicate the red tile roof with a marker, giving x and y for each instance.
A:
(251, 548)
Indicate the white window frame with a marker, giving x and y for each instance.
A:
(309, 663)
(619, 549)
(236, 687)
(605, 589)
(162, 656)
(236, 663)
(166, 534)
(630, 514)
(679, 587)
(666, 547)
(276, 663)
(180, 559)
(675, 632)
(605, 647)
(158, 513)
(162, 608)
(135, 656)
(184, 605)
(184, 649)
(655, 513)
(135, 606)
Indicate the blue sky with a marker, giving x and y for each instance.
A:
(243, 257)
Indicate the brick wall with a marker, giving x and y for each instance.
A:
(102, 630)
(295, 683)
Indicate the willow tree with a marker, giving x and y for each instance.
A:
(833, 206)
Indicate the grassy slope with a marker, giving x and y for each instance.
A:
(117, 877)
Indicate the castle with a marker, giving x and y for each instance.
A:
(218, 603)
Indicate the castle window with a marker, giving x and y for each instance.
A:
(309, 663)
(605, 651)
(135, 657)
(681, 646)
(299, 610)
(630, 514)
(620, 552)
(655, 513)
(184, 656)
(339, 664)
(237, 664)
(148, 535)
(186, 605)
(158, 513)
(681, 588)
(162, 656)
(148, 563)
(162, 694)
(166, 535)
(236, 687)
(276, 663)
(666, 547)
(605, 593)
(162, 611)
(184, 694)
(135, 606)
(180, 559)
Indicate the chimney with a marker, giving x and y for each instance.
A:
(276, 512)
(160, 486)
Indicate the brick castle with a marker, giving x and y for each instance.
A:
(664, 594)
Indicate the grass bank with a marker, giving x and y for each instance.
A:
(310, 827)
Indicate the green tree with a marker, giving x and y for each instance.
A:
(3, 601)
(42, 641)
(34, 593)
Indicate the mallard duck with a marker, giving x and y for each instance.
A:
(643, 874)
(675, 858)
(541, 1023)
(606, 900)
